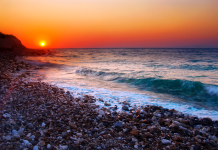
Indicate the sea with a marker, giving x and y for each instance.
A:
(182, 79)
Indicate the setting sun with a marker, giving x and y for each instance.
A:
(42, 44)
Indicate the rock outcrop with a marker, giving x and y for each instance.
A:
(10, 43)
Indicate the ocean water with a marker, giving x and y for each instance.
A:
(183, 79)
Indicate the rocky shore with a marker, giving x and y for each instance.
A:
(38, 116)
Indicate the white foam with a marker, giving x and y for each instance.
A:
(117, 97)
(212, 90)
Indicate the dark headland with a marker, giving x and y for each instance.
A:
(38, 116)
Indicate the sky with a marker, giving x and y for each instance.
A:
(111, 23)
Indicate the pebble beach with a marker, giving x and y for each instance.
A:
(40, 116)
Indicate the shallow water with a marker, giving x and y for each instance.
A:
(183, 79)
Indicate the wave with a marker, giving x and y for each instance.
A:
(42, 64)
(109, 76)
(189, 90)
(199, 67)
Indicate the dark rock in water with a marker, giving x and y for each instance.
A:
(125, 108)
(206, 121)
(114, 108)
(118, 124)
(114, 113)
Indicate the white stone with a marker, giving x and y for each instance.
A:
(163, 128)
(11, 121)
(48, 146)
(134, 140)
(183, 128)
(28, 135)
(165, 141)
(6, 115)
(124, 130)
(27, 143)
(43, 124)
(35, 147)
(136, 146)
(42, 133)
(20, 131)
(16, 136)
(14, 132)
(101, 112)
(32, 137)
(176, 122)
(79, 134)
(8, 138)
(63, 147)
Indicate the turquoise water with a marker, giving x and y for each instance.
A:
(183, 79)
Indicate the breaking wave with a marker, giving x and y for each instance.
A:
(190, 90)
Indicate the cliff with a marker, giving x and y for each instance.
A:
(10, 43)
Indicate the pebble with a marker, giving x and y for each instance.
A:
(101, 112)
(26, 143)
(6, 115)
(42, 143)
(20, 131)
(125, 108)
(32, 137)
(118, 124)
(8, 138)
(48, 146)
(28, 135)
(30, 125)
(165, 141)
(43, 125)
(92, 145)
(16, 136)
(63, 147)
(134, 132)
(35, 147)
(107, 104)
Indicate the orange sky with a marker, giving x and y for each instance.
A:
(111, 23)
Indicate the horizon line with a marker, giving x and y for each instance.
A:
(132, 48)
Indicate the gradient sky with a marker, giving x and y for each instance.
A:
(111, 23)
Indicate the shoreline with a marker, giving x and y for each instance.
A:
(37, 115)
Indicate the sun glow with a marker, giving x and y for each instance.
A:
(42, 44)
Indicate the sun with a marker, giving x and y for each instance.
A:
(42, 43)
